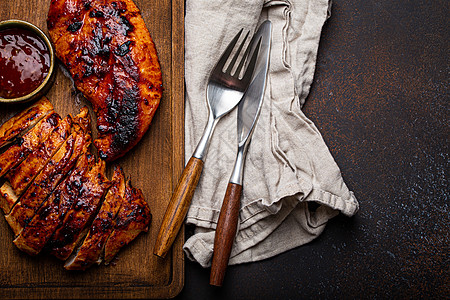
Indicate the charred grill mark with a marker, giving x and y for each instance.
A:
(57, 199)
(53, 119)
(86, 4)
(19, 141)
(129, 67)
(95, 57)
(96, 14)
(113, 108)
(97, 46)
(44, 212)
(126, 25)
(87, 71)
(75, 26)
(128, 120)
(107, 40)
(123, 49)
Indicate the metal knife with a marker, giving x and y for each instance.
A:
(248, 112)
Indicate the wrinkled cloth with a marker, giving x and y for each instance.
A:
(288, 165)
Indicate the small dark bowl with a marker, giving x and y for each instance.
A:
(42, 89)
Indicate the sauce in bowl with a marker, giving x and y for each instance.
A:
(24, 62)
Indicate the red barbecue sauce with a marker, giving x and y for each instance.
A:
(24, 62)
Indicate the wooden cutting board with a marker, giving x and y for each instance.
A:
(154, 166)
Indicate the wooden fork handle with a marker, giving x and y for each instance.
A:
(225, 233)
(178, 206)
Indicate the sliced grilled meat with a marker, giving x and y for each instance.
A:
(133, 218)
(53, 172)
(24, 145)
(57, 168)
(91, 250)
(39, 230)
(77, 220)
(24, 120)
(22, 175)
(113, 61)
(7, 197)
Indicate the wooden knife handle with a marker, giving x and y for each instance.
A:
(225, 233)
(178, 206)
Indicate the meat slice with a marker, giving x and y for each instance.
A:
(52, 174)
(39, 230)
(113, 61)
(24, 145)
(24, 120)
(133, 218)
(91, 250)
(7, 197)
(22, 175)
(84, 208)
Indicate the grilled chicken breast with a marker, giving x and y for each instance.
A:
(81, 125)
(113, 61)
(23, 146)
(24, 120)
(77, 220)
(21, 176)
(91, 251)
(45, 182)
(50, 176)
(133, 218)
(53, 196)
(40, 229)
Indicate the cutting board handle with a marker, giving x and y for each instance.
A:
(178, 206)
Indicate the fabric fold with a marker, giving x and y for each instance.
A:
(288, 164)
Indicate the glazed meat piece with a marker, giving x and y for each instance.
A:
(55, 169)
(113, 61)
(7, 197)
(77, 220)
(24, 145)
(91, 250)
(133, 218)
(39, 230)
(22, 175)
(44, 183)
(24, 120)
(50, 176)
(82, 121)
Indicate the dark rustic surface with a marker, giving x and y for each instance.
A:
(380, 99)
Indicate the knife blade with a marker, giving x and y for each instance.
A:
(248, 113)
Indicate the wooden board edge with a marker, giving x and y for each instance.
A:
(178, 104)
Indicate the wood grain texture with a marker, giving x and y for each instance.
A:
(178, 206)
(225, 233)
(154, 166)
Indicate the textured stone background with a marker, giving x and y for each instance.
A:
(381, 101)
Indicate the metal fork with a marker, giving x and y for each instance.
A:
(225, 90)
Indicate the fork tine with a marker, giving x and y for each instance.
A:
(223, 59)
(236, 55)
(245, 56)
(243, 59)
(251, 65)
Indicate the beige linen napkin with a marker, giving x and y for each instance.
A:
(288, 164)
